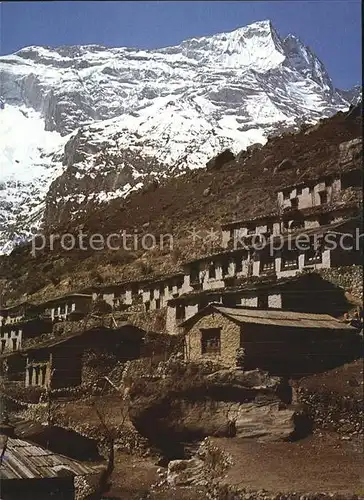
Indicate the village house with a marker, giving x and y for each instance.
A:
(118, 296)
(307, 292)
(279, 254)
(13, 335)
(282, 342)
(72, 304)
(156, 293)
(327, 190)
(214, 271)
(248, 231)
(13, 314)
(76, 359)
(20, 323)
(311, 249)
(29, 471)
(302, 205)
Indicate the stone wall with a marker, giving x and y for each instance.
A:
(230, 339)
(151, 321)
(350, 278)
(332, 412)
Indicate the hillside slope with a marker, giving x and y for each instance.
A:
(199, 199)
(98, 123)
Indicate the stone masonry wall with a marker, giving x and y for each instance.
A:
(332, 412)
(350, 278)
(230, 339)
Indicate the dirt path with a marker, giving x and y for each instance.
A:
(318, 464)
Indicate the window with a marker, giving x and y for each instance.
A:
(250, 228)
(212, 271)
(229, 300)
(211, 341)
(267, 263)
(286, 194)
(158, 303)
(297, 223)
(263, 301)
(289, 259)
(225, 268)
(294, 202)
(194, 274)
(180, 312)
(323, 197)
(43, 375)
(238, 264)
(298, 191)
(313, 256)
(270, 228)
(3, 345)
(15, 344)
(37, 372)
(147, 306)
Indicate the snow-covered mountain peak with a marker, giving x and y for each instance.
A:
(301, 57)
(256, 46)
(97, 122)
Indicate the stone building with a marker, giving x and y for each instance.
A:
(13, 314)
(307, 292)
(213, 271)
(13, 336)
(156, 293)
(308, 203)
(281, 342)
(72, 359)
(118, 296)
(60, 308)
(31, 472)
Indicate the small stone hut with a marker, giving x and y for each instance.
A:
(282, 342)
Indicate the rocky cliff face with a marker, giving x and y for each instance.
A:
(97, 122)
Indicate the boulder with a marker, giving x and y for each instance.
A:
(186, 472)
(268, 422)
(251, 379)
(220, 160)
(285, 164)
(350, 150)
(209, 463)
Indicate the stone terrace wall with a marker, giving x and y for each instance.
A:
(331, 412)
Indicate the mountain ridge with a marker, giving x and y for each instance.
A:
(115, 118)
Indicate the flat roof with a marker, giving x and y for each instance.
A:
(49, 340)
(254, 283)
(269, 216)
(306, 181)
(274, 318)
(25, 460)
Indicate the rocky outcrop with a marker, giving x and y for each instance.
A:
(350, 150)
(334, 400)
(208, 463)
(220, 160)
(222, 404)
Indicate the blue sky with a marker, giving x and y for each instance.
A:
(331, 28)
